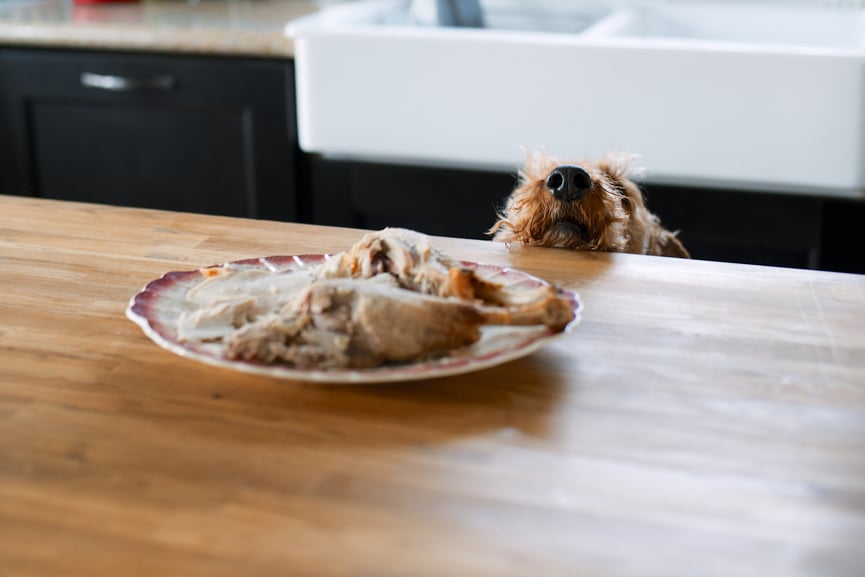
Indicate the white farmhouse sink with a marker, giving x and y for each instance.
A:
(735, 94)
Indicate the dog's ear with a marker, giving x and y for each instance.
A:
(622, 167)
(623, 174)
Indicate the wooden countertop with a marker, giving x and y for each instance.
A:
(703, 419)
(226, 27)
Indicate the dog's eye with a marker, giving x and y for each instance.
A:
(626, 203)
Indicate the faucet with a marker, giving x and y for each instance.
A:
(462, 13)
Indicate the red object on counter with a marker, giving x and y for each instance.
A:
(109, 11)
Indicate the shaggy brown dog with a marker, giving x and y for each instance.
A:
(593, 206)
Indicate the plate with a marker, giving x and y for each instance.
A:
(160, 303)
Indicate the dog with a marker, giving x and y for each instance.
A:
(593, 206)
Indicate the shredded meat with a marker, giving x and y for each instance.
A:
(366, 323)
(359, 324)
(415, 263)
(391, 298)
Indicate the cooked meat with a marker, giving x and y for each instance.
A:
(358, 323)
(406, 255)
(391, 298)
(415, 263)
(366, 323)
(231, 296)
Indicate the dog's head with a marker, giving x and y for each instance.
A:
(584, 206)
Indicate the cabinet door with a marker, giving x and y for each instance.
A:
(448, 202)
(212, 135)
(739, 226)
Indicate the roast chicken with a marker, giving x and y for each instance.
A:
(363, 323)
(391, 298)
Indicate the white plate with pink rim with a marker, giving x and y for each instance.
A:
(158, 305)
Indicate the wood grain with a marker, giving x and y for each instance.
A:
(704, 419)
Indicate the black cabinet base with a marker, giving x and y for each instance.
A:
(461, 203)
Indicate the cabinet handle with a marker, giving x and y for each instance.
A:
(114, 83)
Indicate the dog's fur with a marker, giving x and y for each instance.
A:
(611, 217)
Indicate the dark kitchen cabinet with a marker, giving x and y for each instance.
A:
(447, 202)
(178, 132)
(749, 227)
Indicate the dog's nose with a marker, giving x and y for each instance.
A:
(568, 182)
